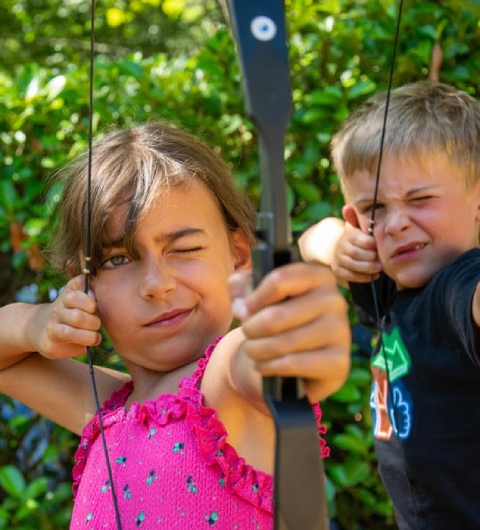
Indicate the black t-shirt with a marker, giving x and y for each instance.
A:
(425, 397)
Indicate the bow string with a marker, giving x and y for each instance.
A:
(88, 259)
(259, 31)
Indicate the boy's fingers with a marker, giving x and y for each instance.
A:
(348, 276)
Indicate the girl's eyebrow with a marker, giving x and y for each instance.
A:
(168, 237)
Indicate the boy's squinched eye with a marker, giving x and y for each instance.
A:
(423, 198)
(369, 208)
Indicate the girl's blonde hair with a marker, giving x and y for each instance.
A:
(425, 118)
(134, 166)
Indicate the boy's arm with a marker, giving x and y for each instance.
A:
(318, 243)
(344, 247)
(476, 306)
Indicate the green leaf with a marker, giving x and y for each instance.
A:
(8, 195)
(317, 211)
(349, 443)
(36, 488)
(12, 481)
(349, 392)
(130, 68)
(356, 471)
(360, 376)
(330, 96)
(361, 89)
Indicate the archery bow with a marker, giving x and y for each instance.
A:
(259, 28)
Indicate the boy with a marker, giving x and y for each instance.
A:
(424, 259)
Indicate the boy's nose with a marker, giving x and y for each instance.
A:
(397, 220)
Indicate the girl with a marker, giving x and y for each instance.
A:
(189, 437)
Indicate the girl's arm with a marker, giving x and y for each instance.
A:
(294, 325)
(36, 343)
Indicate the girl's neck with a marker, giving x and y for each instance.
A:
(148, 384)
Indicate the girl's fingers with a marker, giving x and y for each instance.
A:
(73, 296)
(290, 281)
(71, 323)
(317, 334)
(312, 308)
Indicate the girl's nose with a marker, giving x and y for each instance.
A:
(156, 279)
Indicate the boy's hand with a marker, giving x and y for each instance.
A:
(355, 258)
(295, 323)
(65, 327)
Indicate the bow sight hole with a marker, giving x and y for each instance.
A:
(263, 28)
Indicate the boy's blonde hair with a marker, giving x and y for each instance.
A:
(134, 166)
(424, 119)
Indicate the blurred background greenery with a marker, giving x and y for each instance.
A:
(175, 60)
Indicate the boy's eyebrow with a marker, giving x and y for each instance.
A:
(413, 191)
(168, 237)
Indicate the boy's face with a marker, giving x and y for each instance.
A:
(424, 217)
(163, 308)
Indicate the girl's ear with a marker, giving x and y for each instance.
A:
(70, 269)
(241, 250)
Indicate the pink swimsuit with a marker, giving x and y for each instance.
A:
(171, 465)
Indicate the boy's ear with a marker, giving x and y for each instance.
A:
(476, 198)
(350, 215)
(241, 250)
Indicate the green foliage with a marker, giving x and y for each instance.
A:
(176, 61)
(35, 486)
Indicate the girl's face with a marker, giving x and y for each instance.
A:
(163, 308)
(424, 217)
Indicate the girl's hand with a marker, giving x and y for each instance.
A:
(65, 327)
(295, 325)
(355, 258)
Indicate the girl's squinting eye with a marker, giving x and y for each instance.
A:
(190, 250)
(115, 261)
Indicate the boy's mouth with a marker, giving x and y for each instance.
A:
(407, 250)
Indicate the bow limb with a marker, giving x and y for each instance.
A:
(259, 29)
